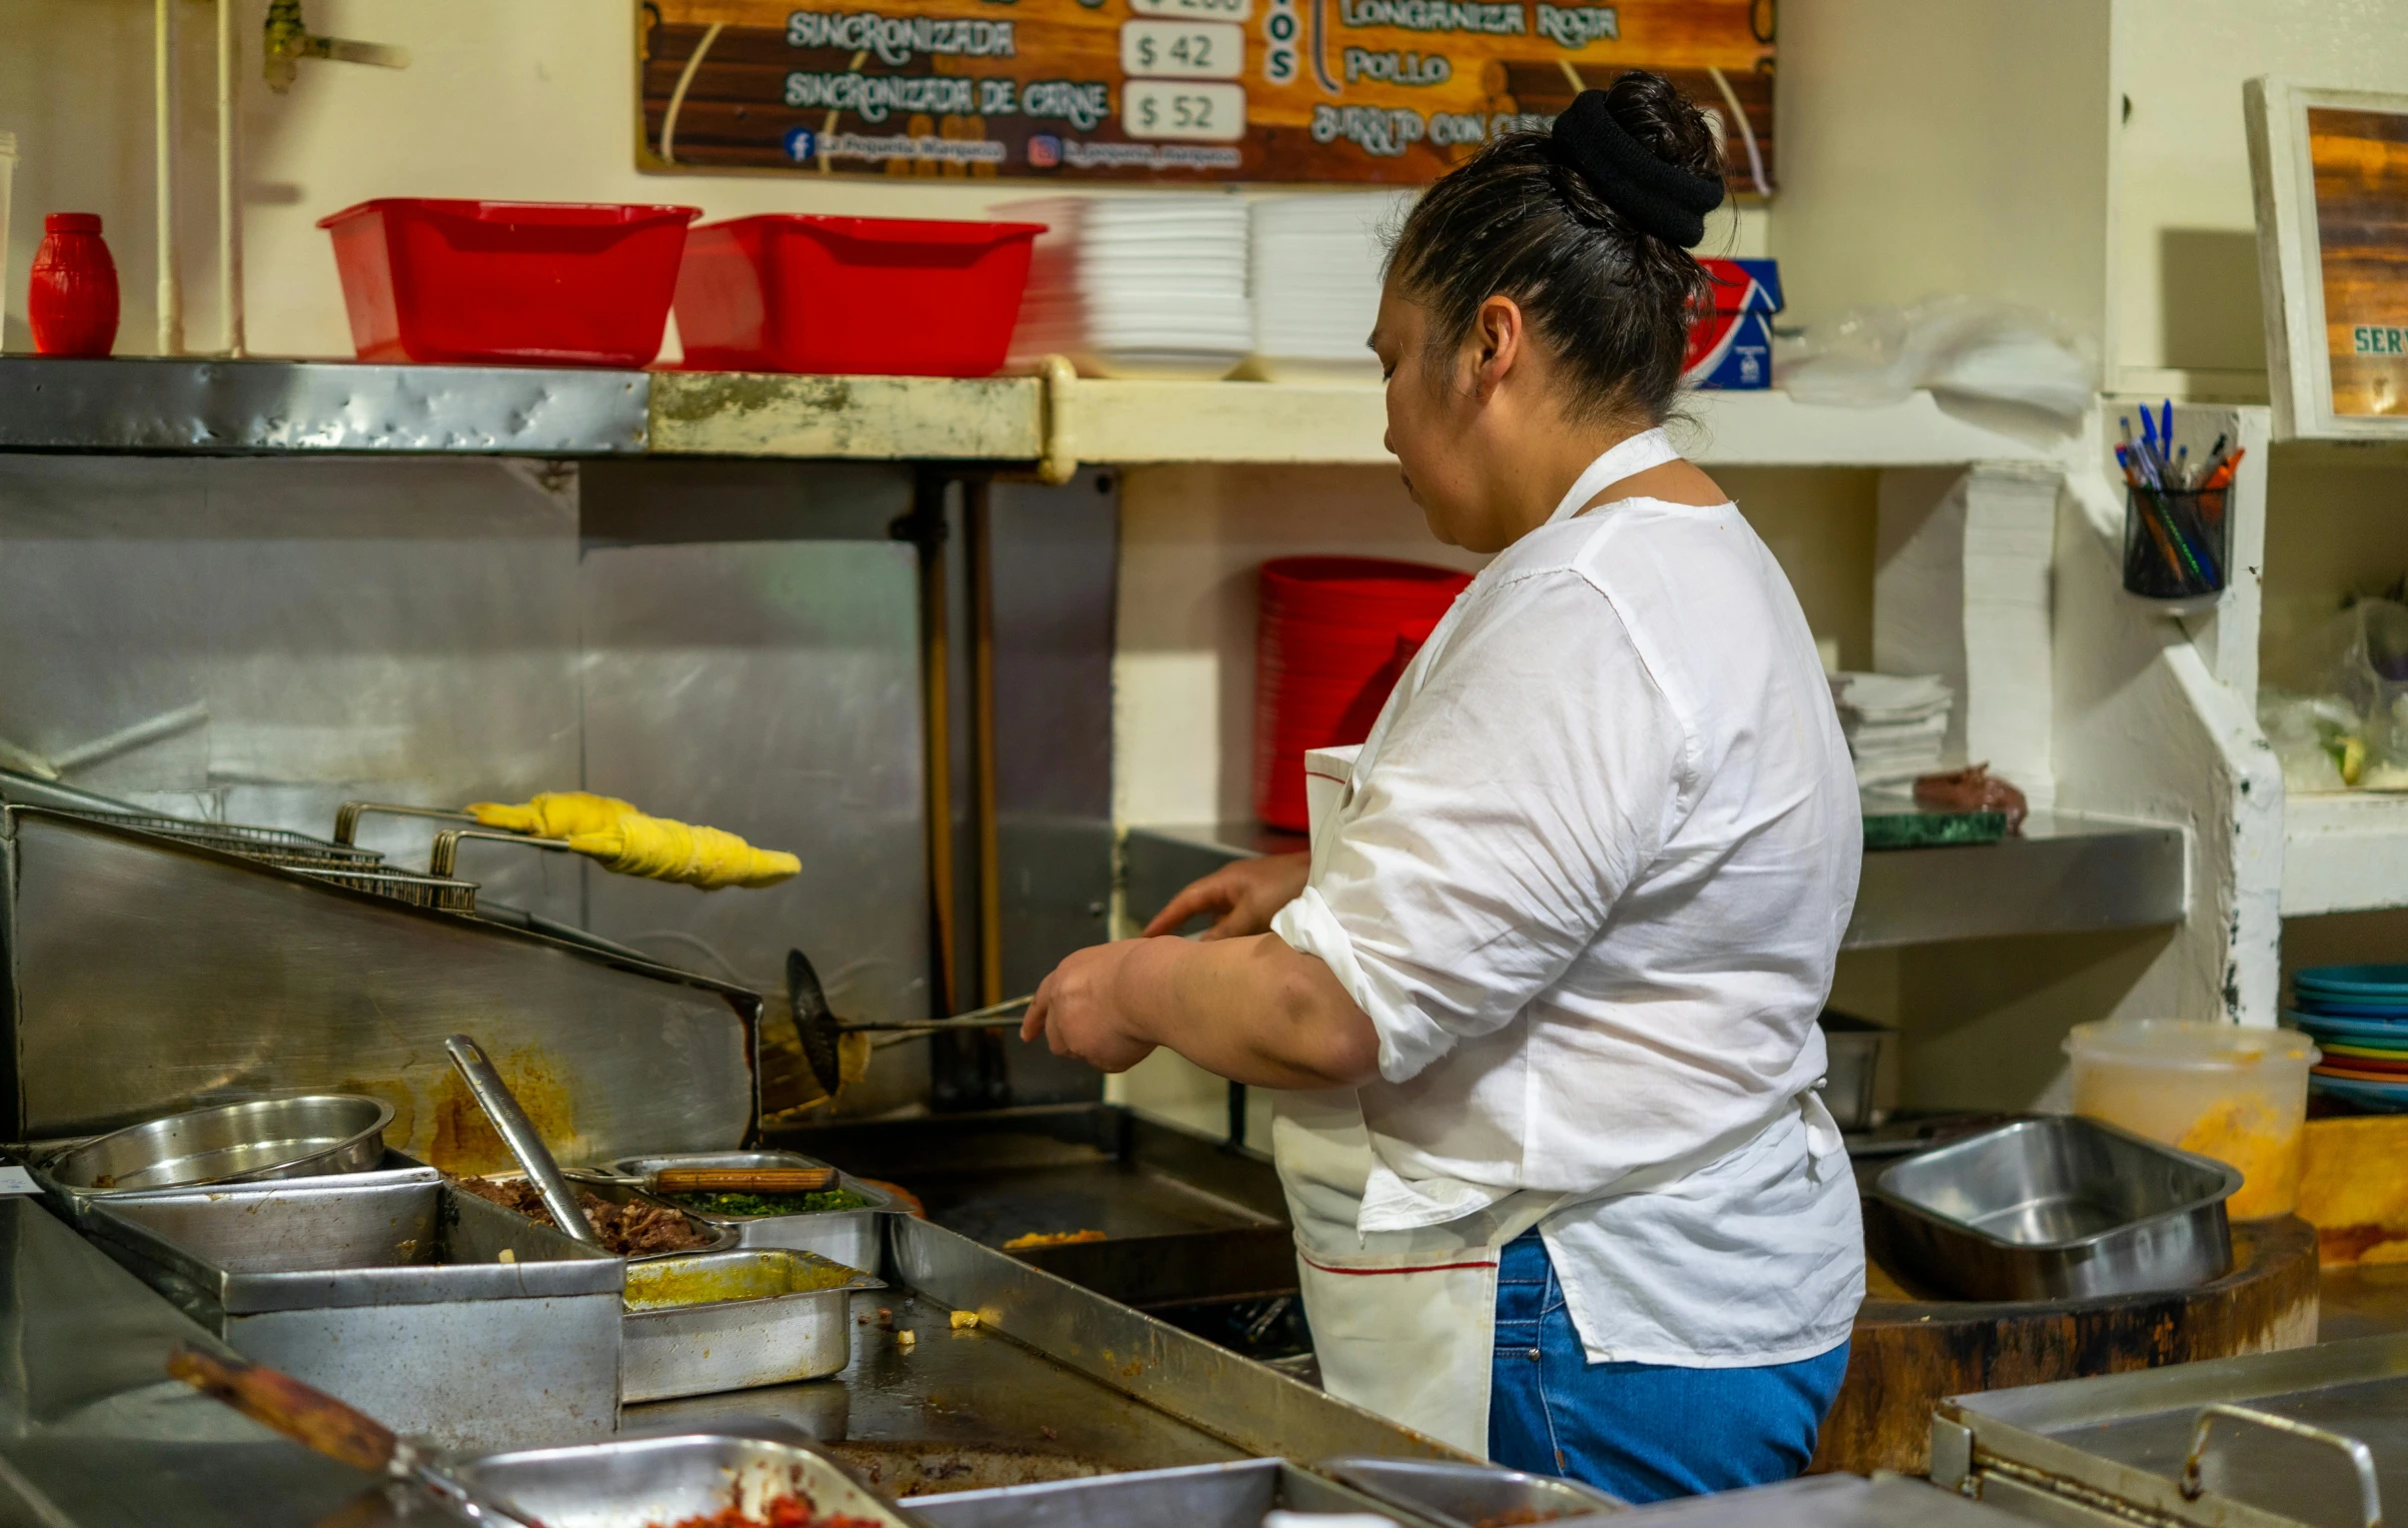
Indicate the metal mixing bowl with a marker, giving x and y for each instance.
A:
(293, 1137)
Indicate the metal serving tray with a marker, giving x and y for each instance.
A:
(76, 1203)
(764, 1316)
(1197, 1496)
(395, 1298)
(2310, 1436)
(1829, 1501)
(847, 1236)
(296, 1136)
(2059, 1207)
(651, 1481)
(716, 1237)
(1467, 1495)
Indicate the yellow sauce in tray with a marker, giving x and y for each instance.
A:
(672, 1281)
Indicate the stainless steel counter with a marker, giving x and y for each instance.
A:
(2063, 874)
(1054, 1381)
(93, 1432)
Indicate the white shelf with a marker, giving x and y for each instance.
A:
(2344, 853)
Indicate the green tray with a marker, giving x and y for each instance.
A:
(1890, 825)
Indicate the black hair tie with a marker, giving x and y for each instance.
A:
(1658, 198)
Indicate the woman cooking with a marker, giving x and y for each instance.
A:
(1543, 994)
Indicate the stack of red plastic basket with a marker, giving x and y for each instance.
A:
(1334, 636)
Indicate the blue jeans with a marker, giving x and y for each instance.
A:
(1642, 1431)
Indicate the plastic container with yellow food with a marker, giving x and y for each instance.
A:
(2235, 1092)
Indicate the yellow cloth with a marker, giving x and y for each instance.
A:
(555, 813)
(627, 842)
(660, 849)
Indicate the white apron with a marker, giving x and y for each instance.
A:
(1403, 1322)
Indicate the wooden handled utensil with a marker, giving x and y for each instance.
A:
(319, 1422)
(740, 1180)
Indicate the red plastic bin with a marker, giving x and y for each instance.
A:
(537, 283)
(904, 297)
(1333, 634)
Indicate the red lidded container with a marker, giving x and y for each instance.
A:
(537, 283)
(72, 301)
(880, 296)
(1333, 636)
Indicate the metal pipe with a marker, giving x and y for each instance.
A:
(171, 283)
(229, 215)
(981, 573)
(937, 701)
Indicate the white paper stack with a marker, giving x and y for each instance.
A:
(1316, 283)
(1896, 725)
(1136, 285)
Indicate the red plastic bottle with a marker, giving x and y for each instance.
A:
(72, 303)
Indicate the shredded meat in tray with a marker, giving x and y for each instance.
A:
(630, 1231)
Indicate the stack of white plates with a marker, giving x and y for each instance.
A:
(1136, 285)
(1895, 724)
(1316, 262)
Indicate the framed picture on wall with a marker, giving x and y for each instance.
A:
(2330, 173)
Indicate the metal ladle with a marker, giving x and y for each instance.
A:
(818, 1029)
(501, 1106)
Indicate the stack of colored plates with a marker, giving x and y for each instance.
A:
(2358, 1016)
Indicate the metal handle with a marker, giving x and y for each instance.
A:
(992, 1017)
(517, 1132)
(2361, 1458)
(347, 816)
(445, 853)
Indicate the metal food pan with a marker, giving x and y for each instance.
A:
(295, 1136)
(717, 1237)
(1197, 1496)
(2059, 1207)
(847, 1236)
(1841, 1501)
(734, 1320)
(1467, 1495)
(647, 1482)
(76, 1203)
(395, 1297)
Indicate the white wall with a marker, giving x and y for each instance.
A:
(2187, 319)
(1943, 146)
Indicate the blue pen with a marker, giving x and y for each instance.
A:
(2165, 428)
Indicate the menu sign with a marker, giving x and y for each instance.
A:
(2360, 160)
(1169, 91)
(2329, 169)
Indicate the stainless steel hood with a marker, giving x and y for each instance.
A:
(145, 974)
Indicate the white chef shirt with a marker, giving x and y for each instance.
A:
(1589, 883)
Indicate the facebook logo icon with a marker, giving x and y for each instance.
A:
(801, 145)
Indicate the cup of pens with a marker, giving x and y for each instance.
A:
(2177, 536)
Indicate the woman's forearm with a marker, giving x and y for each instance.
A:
(1251, 1010)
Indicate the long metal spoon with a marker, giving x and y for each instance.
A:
(501, 1106)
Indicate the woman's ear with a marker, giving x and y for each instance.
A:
(1498, 342)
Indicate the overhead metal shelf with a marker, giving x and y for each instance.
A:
(2063, 874)
(240, 408)
(1055, 420)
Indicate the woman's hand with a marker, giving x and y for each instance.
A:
(1245, 897)
(1079, 1011)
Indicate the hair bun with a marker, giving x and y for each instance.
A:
(1634, 178)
